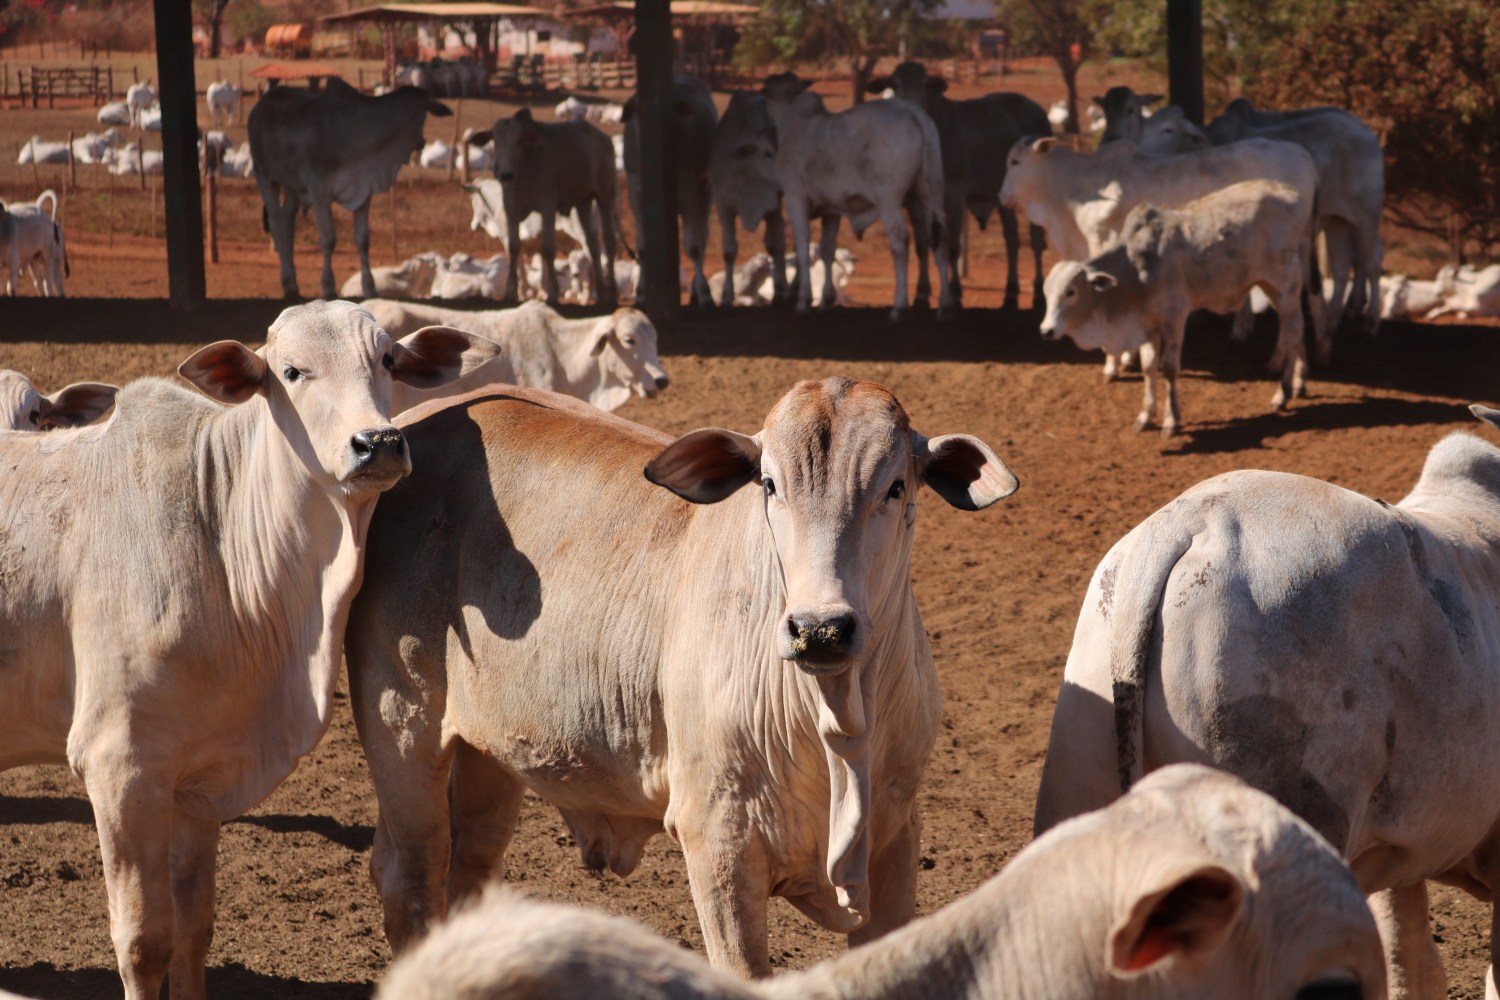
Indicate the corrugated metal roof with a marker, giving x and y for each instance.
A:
(461, 10)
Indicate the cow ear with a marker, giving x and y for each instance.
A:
(937, 85)
(1043, 145)
(603, 330)
(479, 139)
(227, 371)
(963, 470)
(438, 109)
(1189, 913)
(1101, 281)
(78, 404)
(1097, 100)
(1489, 416)
(1149, 99)
(522, 114)
(706, 465)
(436, 355)
(879, 85)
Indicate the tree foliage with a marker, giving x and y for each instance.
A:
(819, 31)
(1065, 30)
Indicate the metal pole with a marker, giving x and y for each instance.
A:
(179, 145)
(1185, 56)
(657, 240)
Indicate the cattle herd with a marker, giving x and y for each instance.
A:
(716, 636)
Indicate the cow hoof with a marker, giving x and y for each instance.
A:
(1142, 423)
(1278, 401)
(1168, 430)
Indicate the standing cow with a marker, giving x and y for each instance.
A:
(867, 163)
(176, 585)
(690, 136)
(976, 137)
(742, 166)
(314, 148)
(731, 652)
(1339, 652)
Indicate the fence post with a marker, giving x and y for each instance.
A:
(72, 163)
(458, 116)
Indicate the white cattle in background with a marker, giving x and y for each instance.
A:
(1207, 254)
(608, 113)
(237, 162)
(91, 147)
(410, 279)
(784, 559)
(223, 100)
(115, 113)
(1057, 115)
(229, 522)
(750, 279)
(1317, 643)
(139, 100)
(130, 160)
(604, 360)
(31, 238)
(746, 191)
(150, 120)
(35, 150)
(23, 408)
(1404, 298)
(1469, 291)
(1193, 885)
(463, 277)
(874, 161)
(313, 149)
(571, 109)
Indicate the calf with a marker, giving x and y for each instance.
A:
(789, 767)
(1194, 885)
(22, 408)
(410, 279)
(1206, 255)
(30, 237)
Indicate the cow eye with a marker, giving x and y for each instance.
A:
(1072, 292)
(291, 374)
(35, 416)
(897, 488)
(770, 485)
(628, 341)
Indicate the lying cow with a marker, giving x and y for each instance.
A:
(410, 279)
(868, 163)
(22, 408)
(603, 359)
(1320, 645)
(743, 616)
(1193, 885)
(194, 561)
(1402, 297)
(1208, 254)
(1469, 291)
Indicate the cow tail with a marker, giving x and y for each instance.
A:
(1137, 587)
(47, 195)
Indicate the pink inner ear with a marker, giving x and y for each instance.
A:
(1154, 945)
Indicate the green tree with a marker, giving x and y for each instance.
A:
(819, 31)
(1062, 29)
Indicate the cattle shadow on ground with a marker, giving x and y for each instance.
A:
(354, 837)
(40, 809)
(45, 980)
(1367, 411)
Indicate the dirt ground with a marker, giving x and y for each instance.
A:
(999, 590)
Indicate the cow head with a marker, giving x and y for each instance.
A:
(325, 375)
(1123, 113)
(1077, 304)
(625, 344)
(1169, 131)
(1023, 165)
(911, 82)
(514, 137)
(22, 408)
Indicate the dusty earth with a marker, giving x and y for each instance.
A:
(999, 590)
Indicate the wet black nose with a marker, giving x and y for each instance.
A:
(820, 639)
(379, 450)
(507, 177)
(661, 382)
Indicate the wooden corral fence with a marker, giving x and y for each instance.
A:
(534, 73)
(36, 83)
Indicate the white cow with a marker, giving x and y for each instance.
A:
(487, 197)
(436, 153)
(312, 149)
(238, 529)
(22, 408)
(1402, 297)
(608, 113)
(739, 662)
(139, 99)
(1207, 254)
(150, 119)
(750, 280)
(92, 146)
(115, 113)
(746, 191)
(463, 277)
(1320, 645)
(1193, 885)
(31, 237)
(1470, 291)
(867, 163)
(35, 150)
(1124, 112)
(130, 160)
(690, 139)
(223, 100)
(571, 109)
(556, 168)
(976, 137)
(410, 279)
(602, 359)
(237, 162)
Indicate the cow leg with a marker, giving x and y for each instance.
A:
(1414, 966)
(797, 209)
(776, 248)
(828, 248)
(195, 846)
(921, 237)
(731, 243)
(893, 881)
(133, 810)
(608, 223)
(281, 216)
(1244, 325)
(362, 246)
(895, 232)
(1010, 228)
(947, 267)
(484, 806)
(1038, 244)
(1171, 368)
(1291, 347)
(323, 213)
(1149, 372)
(695, 242)
(730, 880)
(596, 265)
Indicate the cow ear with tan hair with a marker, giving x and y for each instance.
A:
(706, 465)
(78, 404)
(1186, 911)
(1044, 145)
(436, 355)
(227, 371)
(963, 470)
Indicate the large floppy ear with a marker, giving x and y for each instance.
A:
(522, 114)
(1100, 281)
(1189, 912)
(706, 465)
(436, 355)
(480, 139)
(1043, 145)
(1489, 416)
(602, 331)
(879, 85)
(78, 404)
(1149, 99)
(963, 470)
(227, 371)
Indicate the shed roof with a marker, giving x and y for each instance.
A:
(463, 10)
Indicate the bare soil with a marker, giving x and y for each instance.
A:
(999, 590)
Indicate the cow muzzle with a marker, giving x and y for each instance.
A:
(380, 455)
(821, 641)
